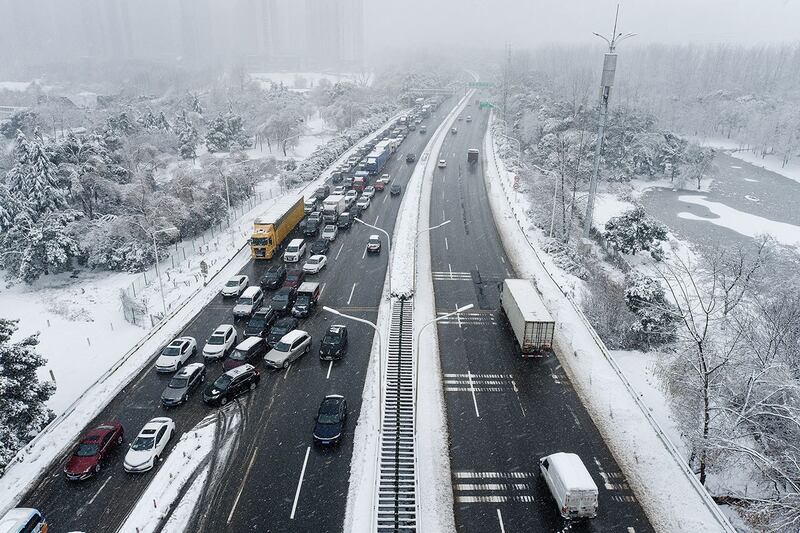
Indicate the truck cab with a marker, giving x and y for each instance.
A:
(359, 183)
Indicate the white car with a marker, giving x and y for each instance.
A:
(362, 203)
(235, 286)
(330, 232)
(315, 263)
(350, 197)
(290, 347)
(442, 163)
(175, 354)
(369, 192)
(146, 449)
(220, 342)
(339, 189)
(469, 118)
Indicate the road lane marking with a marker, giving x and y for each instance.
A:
(385, 196)
(444, 217)
(503, 260)
(354, 287)
(490, 486)
(458, 317)
(446, 246)
(244, 480)
(474, 399)
(450, 269)
(340, 251)
(365, 253)
(96, 494)
(500, 519)
(494, 499)
(300, 484)
(321, 290)
(329, 370)
(287, 371)
(493, 475)
(376, 219)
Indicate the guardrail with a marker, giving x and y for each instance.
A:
(668, 444)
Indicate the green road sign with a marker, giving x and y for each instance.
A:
(485, 105)
(479, 84)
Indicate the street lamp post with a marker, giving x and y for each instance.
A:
(158, 269)
(416, 240)
(380, 359)
(389, 239)
(416, 355)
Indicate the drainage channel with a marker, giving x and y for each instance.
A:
(397, 503)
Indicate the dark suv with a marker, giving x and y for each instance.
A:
(231, 384)
(283, 300)
(344, 221)
(281, 328)
(330, 420)
(334, 343)
(260, 322)
(320, 246)
(312, 227)
(273, 278)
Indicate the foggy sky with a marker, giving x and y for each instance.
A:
(528, 23)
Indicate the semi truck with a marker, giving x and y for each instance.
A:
(332, 207)
(472, 156)
(272, 228)
(378, 158)
(532, 324)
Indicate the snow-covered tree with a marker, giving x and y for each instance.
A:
(646, 298)
(634, 231)
(226, 132)
(23, 409)
(187, 136)
(33, 180)
(33, 247)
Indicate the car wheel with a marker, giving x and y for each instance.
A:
(308, 348)
(223, 401)
(286, 364)
(253, 386)
(194, 350)
(97, 468)
(119, 439)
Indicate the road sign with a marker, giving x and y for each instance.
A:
(485, 105)
(479, 84)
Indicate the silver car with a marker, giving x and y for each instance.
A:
(292, 346)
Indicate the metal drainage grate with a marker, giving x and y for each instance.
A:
(397, 507)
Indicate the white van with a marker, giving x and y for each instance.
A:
(295, 251)
(250, 300)
(570, 484)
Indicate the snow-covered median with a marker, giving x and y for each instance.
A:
(670, 494)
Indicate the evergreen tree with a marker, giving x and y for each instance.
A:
(33, 180)
(44, 246)
(218, 136)
(187, 136)
(634, 231)
(23, 409)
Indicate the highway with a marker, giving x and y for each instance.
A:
(503, 411)
(257, 490)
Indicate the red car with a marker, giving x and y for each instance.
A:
(86, 460)
(294, 278)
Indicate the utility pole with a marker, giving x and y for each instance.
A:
(606, 82)
(506, 75)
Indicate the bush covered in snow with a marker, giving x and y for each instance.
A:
(634, 231)
(657, 318)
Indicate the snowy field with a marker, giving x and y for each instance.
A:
(293, 79)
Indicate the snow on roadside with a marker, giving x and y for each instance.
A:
(60, 434)
(185, 464)
(663, 484)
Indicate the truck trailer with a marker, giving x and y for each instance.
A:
(530, 321)
(332, 207)
(378, 158)
(272, 228)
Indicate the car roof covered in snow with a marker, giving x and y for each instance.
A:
(571, 470)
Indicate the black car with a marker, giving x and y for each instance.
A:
(311, 227)
(410, 158)
(355, 211)
(281, 328)
(320, 246)
(344, 221)
(274, 277)
(334, 343)
(260, 322)
(394, 190)
(331, 419)
(231, 384)
(283, 300)
(182, 384)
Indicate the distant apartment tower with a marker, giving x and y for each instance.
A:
(334, 33)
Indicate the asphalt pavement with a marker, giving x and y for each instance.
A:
(258, 489)
(503, 412)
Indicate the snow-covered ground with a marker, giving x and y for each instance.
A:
(293, 79)
(666, 488)
(744, 153)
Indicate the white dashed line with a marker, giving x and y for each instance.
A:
(376, 219)
(446, 247)
(500, 519)
(474, 399)
(340, 251)
(354, 287)
(244, 479)
(329, 370)
(321, 290)
(300, 484)
(96, 494)
(365, 253)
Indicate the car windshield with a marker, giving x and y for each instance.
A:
(143, 443)
(171, 350)
(281, 297)
(239, 355)
(325, 418)
(232, 283)
(222, 382)
(244, 301)
(216, 340)
(256, 322)
(282, 347)
(178, 383)
(331, 339)
(314, 261)
(87, 449)
(273, 275)
(303, 299)
(292, 276)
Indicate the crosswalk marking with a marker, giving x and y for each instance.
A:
(479, 383)
(494, 499)
(452, 276)
(493, 487)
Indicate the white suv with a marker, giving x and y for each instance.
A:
(295, 251)
(290, 347)
(220, 342)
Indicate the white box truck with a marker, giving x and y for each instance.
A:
(532, 324)
(332, 207)
(570, 484)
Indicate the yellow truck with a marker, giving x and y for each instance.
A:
(271, 228)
